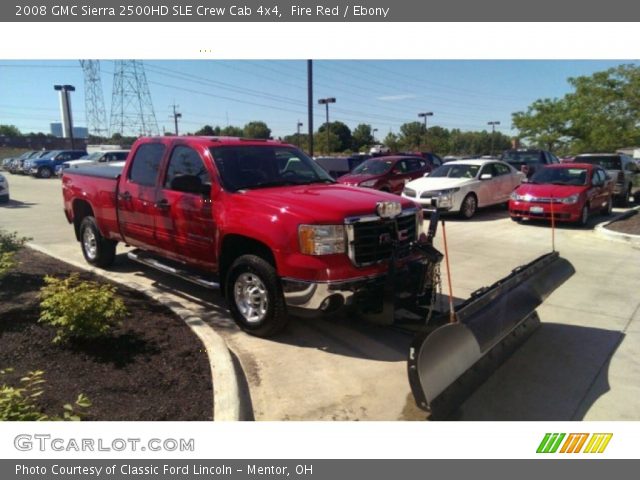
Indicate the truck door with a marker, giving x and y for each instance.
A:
(185, 229)
(137, 194)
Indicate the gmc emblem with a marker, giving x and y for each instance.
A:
(403, 235)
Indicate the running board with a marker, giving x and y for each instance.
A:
(154, 262)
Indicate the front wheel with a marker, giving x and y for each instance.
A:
(469, 206)
(44, 172)
(584, 216)
(255, 296)
(608, 207)
(96, 249)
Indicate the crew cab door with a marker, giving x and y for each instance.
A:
(137, 196)
(185, 228)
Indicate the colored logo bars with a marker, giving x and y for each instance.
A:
(595, 443)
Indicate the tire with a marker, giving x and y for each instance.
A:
(255, 297)
(96, 249)
(584, 216)
(4, 198)
(469, 206)
(516, 219)
(44, 172)
(608, 208)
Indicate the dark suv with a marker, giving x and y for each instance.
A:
(621, 168)
(44, 167)
(528, 160)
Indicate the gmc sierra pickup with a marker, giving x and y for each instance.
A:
(257, 219)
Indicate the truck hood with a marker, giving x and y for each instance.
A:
(317, 203)
(438, 183)
(547, 190)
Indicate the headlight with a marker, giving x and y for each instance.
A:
(570, 200)
(321, 239)
(368, 183)
(449, 191)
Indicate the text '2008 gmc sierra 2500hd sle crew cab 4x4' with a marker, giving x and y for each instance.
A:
(269, 227)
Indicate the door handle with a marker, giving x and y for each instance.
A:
(163, 204)
(126, 196)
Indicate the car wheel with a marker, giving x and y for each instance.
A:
(96, 249)
(608, 207)
(469, 206)
(584, 216)
(255, 296)
(4, 198)
(516, 219)
(44, 172)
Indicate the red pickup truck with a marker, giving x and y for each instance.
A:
(258, 219)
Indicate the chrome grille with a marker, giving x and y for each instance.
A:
(372, 241)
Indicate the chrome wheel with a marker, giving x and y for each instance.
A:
(90, 243)
(251, 297)
(469, 206)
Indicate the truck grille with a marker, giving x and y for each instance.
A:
(373, 241)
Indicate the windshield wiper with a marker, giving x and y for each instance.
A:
(317, 180)
(560, 183)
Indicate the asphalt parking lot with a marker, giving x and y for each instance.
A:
(581, 364)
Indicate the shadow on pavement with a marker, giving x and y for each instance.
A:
(556, 375)
(17, 204)
(486, 214)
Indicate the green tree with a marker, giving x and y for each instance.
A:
(231, 131)
(545, 124)
(320, 143)
(208, 131)
(257, 130)
(342, 131)
(411, 135)
(361, 137)
(392, 141)
(9, 131)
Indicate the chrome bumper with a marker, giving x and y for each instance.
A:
(322, 296)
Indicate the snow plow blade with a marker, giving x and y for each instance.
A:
(447, 364)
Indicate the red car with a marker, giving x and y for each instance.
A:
(388, 174)
(573, 191)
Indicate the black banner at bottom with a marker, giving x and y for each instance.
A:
(585, 469)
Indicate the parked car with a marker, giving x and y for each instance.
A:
(465, 185)
(338, 166)
(388, 174)
(379, 150)
(528, 160)
(572, 191)
(4, 189)
(621, 168)
(95, 158)
(432, 159)
(45, 166)
(13, 165)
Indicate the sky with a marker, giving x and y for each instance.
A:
(464, 94)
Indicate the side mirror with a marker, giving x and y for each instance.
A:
(187, 184)
(486, 176)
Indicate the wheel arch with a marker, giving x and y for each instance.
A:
(235, 245)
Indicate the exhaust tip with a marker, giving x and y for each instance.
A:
(332, 303)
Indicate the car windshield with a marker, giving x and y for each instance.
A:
(561, 176)
(521, 157)
(456, 171)
(608, 162)
(376, 166)
(251, 166)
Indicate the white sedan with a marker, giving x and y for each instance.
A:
(4, 189)
(465, 185)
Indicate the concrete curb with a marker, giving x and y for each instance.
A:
(628, 238)
(226, 389)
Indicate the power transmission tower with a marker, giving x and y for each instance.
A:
(132, 111)
(93, 98)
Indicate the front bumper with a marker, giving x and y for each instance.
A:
(533, 210)
(442, 203)
(408, 283)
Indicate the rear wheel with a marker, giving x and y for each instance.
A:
(469, 206)
(96, 249)
(44, 172)
(255, 296)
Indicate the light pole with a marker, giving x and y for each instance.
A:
(326, 102)
(298, 133)
(65, 111)
(493, 124)
(373, 134)
(425, 115)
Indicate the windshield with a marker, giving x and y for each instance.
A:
(561, 176)
(456, 171)
(92, 156)
(521, 157)
(375, 166)
(607, 162)
(252, 166)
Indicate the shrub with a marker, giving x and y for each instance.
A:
(79, 309)
(19, 403)
(9, 245)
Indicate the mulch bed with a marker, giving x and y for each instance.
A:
(151, 368)
(630, 225)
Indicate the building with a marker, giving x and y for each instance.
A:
(78, 132)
